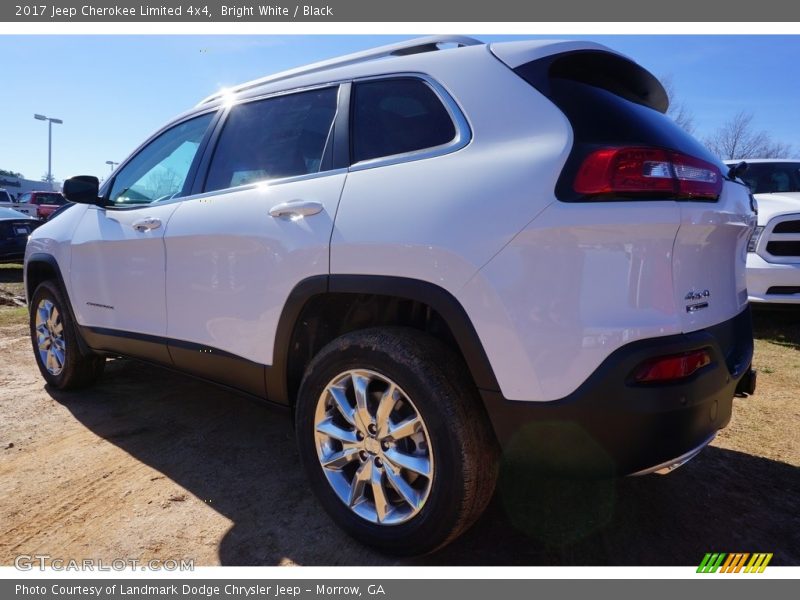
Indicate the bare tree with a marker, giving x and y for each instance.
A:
(161, 182)
(736, 138)
(677, 111)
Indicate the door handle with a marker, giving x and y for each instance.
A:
(147, 224)
(296, 209)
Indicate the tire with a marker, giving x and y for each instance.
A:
(453, 435)
(55, 342)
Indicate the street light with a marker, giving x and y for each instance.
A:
(112, 164)
(50, 122)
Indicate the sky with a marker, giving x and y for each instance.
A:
(112, 92)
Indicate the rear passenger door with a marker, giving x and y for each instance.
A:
(409, 196)
(269, 191)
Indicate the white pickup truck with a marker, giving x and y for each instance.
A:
(6, 201)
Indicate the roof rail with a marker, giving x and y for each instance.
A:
(415, 46)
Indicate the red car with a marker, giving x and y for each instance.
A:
(46, 202)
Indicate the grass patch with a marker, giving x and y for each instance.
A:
(13, 316)
(11, 279)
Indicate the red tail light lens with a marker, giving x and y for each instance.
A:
(645, 171)
(672, 367)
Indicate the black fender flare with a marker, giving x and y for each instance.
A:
(50, 261)
(406, 288)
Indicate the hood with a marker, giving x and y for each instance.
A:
(773, 205)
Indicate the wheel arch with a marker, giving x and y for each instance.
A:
(323, 307)
(41, 267)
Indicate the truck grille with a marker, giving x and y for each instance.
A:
(784, 248)
(781, 242)
(787, 227)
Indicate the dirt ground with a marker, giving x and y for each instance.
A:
(150, 464)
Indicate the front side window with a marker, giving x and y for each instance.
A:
(159, 171)
(282, 136)
(396, 116)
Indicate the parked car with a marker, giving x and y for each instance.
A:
(45, 202)
(8, 201)
(773, 252)
(15, 228)
(432, 258)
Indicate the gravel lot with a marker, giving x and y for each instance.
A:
(150, 464)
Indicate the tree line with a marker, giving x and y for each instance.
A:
(735, 138)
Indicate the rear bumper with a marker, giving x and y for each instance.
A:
(613, 426)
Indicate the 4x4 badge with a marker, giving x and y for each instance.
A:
(693, 296)
(700, 300)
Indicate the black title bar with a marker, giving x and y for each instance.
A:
(450, 11)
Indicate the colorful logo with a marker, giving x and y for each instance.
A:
(734, 562)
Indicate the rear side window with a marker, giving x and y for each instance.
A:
(396, 116)
(282, 136)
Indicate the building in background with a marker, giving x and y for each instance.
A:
(17, 186)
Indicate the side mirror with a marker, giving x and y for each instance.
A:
(83, 189)
(737, 170)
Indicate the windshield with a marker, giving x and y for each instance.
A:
(53, 198)
(768, 178)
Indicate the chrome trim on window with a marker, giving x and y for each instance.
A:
(262, 184)
(462, 137)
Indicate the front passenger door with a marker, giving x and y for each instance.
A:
(117, 274)
(263, 224)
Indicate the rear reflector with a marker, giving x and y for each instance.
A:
(672, 367)
(638, 172)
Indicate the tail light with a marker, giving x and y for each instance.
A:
(671, 367)
(637, 172)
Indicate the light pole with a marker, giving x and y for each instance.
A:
(50, 122)
(112, 164)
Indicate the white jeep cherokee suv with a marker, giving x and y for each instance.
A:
(773, 259)
(431, 255)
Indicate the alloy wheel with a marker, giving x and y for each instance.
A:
(50, 337)
(373, 447)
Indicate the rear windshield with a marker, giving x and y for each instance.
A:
(51, 199)
(600, 117)
(771, 178)
(10, 213)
